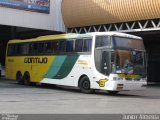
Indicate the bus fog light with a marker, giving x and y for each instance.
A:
(117, 78)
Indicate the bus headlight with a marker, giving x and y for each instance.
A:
(117, 78)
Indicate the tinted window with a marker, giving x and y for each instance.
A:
(48, 47)
(33, 48)
(62, 46)
(18, 49)
(87, 45)
(69, 47)
(128, 43)
(55, 47)
(41, 47)
(25, 48)
(11, 50)
(102, 41)
(14, 49)
(78, 45)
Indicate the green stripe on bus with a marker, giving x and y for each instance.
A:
(66, 66)
(55, 66)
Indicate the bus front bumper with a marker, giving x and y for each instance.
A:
(125, 85)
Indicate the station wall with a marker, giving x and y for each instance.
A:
(29, 19)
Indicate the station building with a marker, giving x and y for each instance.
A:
(41, 17)
(28, 18)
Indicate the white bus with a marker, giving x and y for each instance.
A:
(108, 61)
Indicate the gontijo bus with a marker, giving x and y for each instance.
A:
(101, 60)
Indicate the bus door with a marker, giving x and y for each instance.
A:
(105, 62)
(102, 61)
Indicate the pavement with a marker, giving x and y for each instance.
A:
(20, 99)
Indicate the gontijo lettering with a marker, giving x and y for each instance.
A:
(35, 60)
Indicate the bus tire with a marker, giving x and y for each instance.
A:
(19, 78)
(26, 79)
(84, 85)
(112, 92)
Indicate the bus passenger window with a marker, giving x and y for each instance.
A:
(87, 45)
(78, 45)
(17, 49)
(62, 46)
(55, 47)
(33, 48)
(48, 47)
(10, 50)
(41, 47)
(69, 47)
(25, 49)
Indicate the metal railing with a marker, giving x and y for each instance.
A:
(135, 26)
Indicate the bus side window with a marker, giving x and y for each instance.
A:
(48, 47)
(87, 45)
(69, 47)
(33, 48)
(10, 50)
(25, 49)
(14, 49)
(17, 49)
(30, 48)
(78, 45)
(55, 47)
(40, 47)
(62, 46)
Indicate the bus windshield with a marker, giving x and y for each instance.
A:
(123, 42)
(128, 62)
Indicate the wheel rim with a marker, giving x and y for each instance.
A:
(19, 78)
(86, 85)
(26, 79)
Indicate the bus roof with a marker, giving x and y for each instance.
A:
(115, 34)
(72, 36)
(51, 37)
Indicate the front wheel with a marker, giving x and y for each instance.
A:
(84, 85)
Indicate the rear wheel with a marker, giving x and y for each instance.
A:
(26, 78)
(19, 78)
(84, 85)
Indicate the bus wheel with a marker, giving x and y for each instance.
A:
(84, 85)
(26, 79)
(19, 78)
(112, 92)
